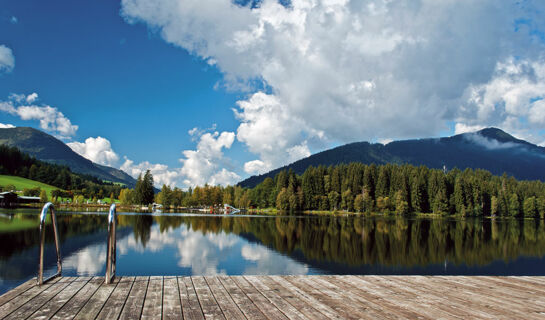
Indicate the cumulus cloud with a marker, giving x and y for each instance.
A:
(511, 99)
(7, 60)
(339, 71)
(97, 149)
(51, 119)
(269, 131)
(161, 172)
(6, 126)
(202, 165)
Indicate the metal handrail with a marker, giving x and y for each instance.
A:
(111, 245)
(48, 207)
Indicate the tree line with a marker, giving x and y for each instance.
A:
(16, 163)
(390, 188)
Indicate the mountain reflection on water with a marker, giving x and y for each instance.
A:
(234, 245)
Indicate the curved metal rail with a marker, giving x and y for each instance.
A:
(111, 245)
(48, 207)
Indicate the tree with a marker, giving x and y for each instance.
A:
(334, 199)
(358, 203)
(282, 200)
(529, 207)
(144, 193)
(126, 196)
(43, 196)
(164, 197)
(514, 205)
(402, 207)
(541, 206)
(494, 206)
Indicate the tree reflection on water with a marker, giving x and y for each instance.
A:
(350, 241)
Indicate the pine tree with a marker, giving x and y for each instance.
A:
(530, 207)
(514, 205)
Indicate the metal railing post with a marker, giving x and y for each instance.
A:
(48, 207)
(111, 245)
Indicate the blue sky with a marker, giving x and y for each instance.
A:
(111, 78)
(264, 82)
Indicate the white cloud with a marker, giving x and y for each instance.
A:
(6, 126)
(32, 97)
(511, 99)
(97, 149)
(51, 119)
(464, 128)
(7, 60)
(201, 166)
(161, 172)
(339, 71)
(269, 131)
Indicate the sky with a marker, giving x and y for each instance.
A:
(215, 91)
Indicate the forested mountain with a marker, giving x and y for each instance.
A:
(491, 149)
(16, 163)
(47, 148)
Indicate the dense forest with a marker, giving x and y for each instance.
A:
(400, 189)
(16, 163)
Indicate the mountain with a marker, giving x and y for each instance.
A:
(47, 148)
(491, 149)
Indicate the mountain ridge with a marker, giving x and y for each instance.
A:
(491, 148)
(47, 148)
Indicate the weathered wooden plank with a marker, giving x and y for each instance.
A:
(172, 305)
(268, 309)
(191, 307)
(482, 293)
(373, 305)
(241, 299)
(224, 300)
(280, 297)
(330, 299)
(302, 306)
(47, 310)
(38, 301)
(521, 287)
(94, 305)
(112, 308)
(153, 304)
(289, 310)
(284, 285)
(209, 305)
(135, 301)
(450, 306)
(358, 305)
(24, 297)
(17, 291)
(446, 298)
(532, 279)
(72, 307)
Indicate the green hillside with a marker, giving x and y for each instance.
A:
(22, 183)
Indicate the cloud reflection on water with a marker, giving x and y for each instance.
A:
(183, 248)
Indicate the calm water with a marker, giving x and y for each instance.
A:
(185, 244)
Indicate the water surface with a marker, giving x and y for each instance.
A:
(190, 244)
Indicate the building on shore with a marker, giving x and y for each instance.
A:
(13, 200)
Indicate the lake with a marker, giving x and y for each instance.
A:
(203, 244)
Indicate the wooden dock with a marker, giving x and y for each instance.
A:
(278, 297)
